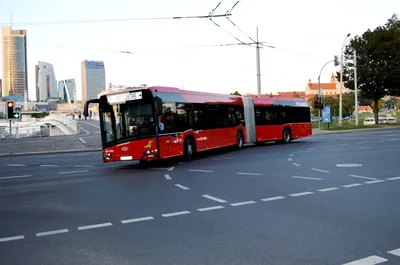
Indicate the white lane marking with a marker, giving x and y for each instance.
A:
(273, 198)
(84, 166)
(301, 194)
(175, 214)
(171, 168)
(352, 185)
(16, 177)
(289, 159)
(49, 165)
(262, 155)
(135, 220)
(371, 260)
(72, 172)
(182, 187)
(90, 124)
(83, 141)
(200, 170)
(16, 165)
(297, 165)
(167, 176)
(291, 155)
(224, 158)
(210, 208)
(320, 170)
(374, 181)
(54, 232)
(395, 178)
(86, 227)
(328, 189)
(299, 177)
(12, 238)
(310, 149)
(362, 177)
(395, 252)
(249, 174)
(180, 163)
(214, 198)
(87, 132)
(243, 203)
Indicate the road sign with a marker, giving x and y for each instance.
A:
(17, 115)
(326, 114)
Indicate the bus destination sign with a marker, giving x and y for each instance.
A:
(124, 97)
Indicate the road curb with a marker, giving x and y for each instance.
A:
(51, 152)
(322, 132)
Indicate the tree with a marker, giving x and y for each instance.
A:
(398, 104)
(348, 102)
(378, 62)
(236, 93)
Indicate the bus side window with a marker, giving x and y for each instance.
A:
(199, 113)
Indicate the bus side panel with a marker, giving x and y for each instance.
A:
(171, 146)
(269, 132)
(301, 130)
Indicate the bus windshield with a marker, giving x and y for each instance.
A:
(132, 120)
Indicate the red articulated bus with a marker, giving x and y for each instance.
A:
(149, 123)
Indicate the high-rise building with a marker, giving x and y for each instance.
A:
(93, 79)
(15, 74)
(46, 83)
(67, 89)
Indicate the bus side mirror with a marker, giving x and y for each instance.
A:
(159, 107)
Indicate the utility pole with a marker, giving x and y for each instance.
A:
(341, 83)
(355, 86)
(258, 67)
(319, 92)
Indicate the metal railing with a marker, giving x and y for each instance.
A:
(67, 121)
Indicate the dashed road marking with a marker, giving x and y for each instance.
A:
(310, 149)
(83, 141)
(54, 232)
(12, 238)
(72, 172)
(328, 189)
(362, 177)
(352, 185)
(49, 165)
(135, 220)
(182, 187)
(210, 208)
(297, 165)
(395, 178)
(262, 155)
(16, 177)
(84, 166)
(374, 181)
(167, 176)
(291, 155)
(320, 170)
(249, 174)
(272, 198)
(201, 170)
(371, 260)
(301, 194)
(171, 168)
(214, 198)
(16, 165)
(243, 203)
(395, 252)
(175, 214)
(87, 227)
(224, 158)
(289, 159)
(299, 177)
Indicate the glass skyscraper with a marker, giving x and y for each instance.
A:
(93, 79)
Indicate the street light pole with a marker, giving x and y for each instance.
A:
(355, 86)
(341, 82)
(258, 68)
(319, 93)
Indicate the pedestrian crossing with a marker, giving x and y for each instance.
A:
(392, 257)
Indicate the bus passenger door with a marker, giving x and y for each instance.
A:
(200, 126)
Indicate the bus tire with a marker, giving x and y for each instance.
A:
(190, 149)
(239, 140)
(286, 136)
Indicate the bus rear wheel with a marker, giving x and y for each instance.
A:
(190, 149)
(286, 136)
(239, 140)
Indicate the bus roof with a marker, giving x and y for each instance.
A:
(178, 95)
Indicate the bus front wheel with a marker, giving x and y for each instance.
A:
(190, 149)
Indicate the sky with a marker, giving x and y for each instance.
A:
(306, 34)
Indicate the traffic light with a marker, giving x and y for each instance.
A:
(321, 105)
(11, 113)
(336, 60)
(316, 103)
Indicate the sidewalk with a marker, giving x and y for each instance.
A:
(317, 131)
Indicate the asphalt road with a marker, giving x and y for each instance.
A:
(328, 199)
